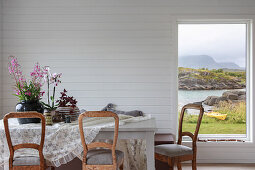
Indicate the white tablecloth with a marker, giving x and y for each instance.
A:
(62, 141)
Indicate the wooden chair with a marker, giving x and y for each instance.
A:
(25, 162)
(177, 153)
(101, 159)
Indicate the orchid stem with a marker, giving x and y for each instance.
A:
(48, 82)
(54, 89)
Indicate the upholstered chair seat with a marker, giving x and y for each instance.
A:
(173, 150)
(23, 161)
(26, 161)
(103, 157)
(177, 153)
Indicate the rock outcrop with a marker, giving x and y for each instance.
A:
(193, 79)
(233, 96)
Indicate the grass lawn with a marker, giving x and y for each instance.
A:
(216, 128)
(235, 123)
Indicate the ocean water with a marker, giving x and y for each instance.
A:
(191, 96)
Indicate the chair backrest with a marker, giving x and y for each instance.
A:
(12, 148)
(200, 116)
(92, 145)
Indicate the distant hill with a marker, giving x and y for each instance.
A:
(205, 61)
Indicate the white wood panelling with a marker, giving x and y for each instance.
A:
(119, 51)
(108, 51)
(105, 54)
(1, 58)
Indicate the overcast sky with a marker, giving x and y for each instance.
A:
(223, 42)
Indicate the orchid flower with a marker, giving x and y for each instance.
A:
(51, 79)
(26, 89)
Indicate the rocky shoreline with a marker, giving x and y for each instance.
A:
(195, 79)
(233, 96)
(197, 84)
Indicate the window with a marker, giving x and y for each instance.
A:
(213, 65)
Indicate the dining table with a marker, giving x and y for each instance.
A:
(63, 143)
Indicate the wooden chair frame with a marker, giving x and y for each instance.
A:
(12, 148)
(92, 145)
(172, 160)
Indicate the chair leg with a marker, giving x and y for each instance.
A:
(179, 165)
(171, 163)
(194, 164)
(121, 166)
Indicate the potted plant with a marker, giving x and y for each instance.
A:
(28, 91)
(67, 106)
(51, 80)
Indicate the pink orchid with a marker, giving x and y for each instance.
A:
(37, 75)
(26, 89)
(17, 93)
(15, 71)
(28, 93)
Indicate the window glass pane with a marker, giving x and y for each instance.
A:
(212, 70)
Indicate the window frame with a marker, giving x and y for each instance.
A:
(249, 76)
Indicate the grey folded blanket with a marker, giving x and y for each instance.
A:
(110, 107)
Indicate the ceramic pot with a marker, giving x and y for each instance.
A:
(48, 118)
(29, 105)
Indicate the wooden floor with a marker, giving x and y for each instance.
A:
(77, 165)
(220, 167)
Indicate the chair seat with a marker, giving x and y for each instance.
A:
(26, 161)
(103, 157)
(173, 150)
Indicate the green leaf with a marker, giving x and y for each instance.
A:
(46, 105)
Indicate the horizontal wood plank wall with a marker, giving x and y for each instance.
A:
(1, 61)
(108, 52)
(119, 51)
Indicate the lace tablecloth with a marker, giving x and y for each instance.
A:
(62, 141)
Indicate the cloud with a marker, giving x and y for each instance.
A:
(223, 42)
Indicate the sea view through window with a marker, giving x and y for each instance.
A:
(212, 66)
